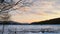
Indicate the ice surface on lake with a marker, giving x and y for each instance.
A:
(30, 29)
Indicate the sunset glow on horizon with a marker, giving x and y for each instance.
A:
(39, 10)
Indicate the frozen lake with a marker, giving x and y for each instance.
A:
(30, 29)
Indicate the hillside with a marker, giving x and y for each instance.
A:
(51, 21)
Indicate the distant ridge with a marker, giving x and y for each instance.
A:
(51, 21)
(11, 23)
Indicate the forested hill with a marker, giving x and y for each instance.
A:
(51, 21)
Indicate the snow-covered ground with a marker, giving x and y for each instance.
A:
(30, 29)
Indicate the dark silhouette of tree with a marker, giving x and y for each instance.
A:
(1, 1)
(4, 6)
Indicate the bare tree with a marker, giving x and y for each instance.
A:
(1, 1)
(5, 5)
(4, 9)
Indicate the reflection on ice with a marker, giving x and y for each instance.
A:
(30, 29)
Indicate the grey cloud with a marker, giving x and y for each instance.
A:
(49, 12)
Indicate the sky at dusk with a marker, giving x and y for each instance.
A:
(35, 10)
